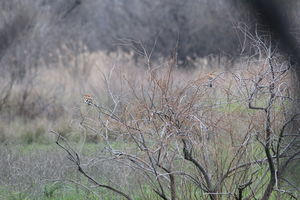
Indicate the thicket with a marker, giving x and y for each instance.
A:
(229, 135)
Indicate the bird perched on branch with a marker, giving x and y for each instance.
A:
(88, 99)
(210, 78)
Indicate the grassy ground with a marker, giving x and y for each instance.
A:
(44, 183)
(39, 172)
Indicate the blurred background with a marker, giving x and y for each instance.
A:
(194, 27)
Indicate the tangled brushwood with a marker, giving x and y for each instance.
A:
(229, 135)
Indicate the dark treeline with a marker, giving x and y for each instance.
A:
(194, 27)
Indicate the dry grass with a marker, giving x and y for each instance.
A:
(48, 96)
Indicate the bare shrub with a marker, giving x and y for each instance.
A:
(228, 135)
